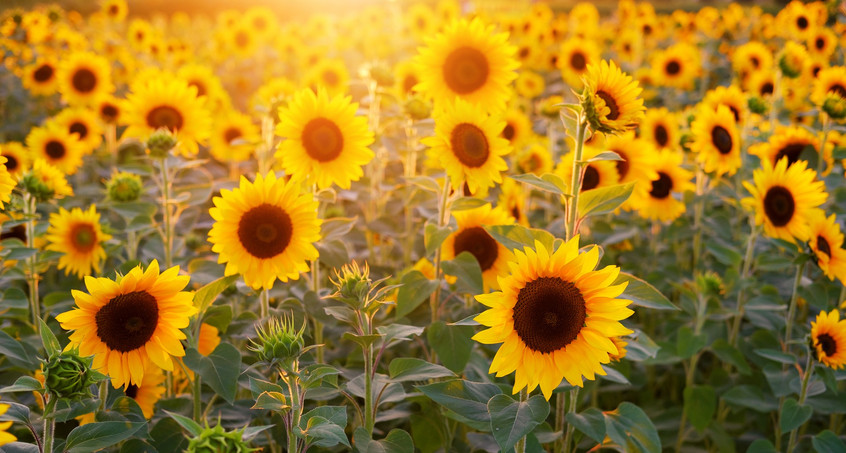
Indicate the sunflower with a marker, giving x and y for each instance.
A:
(518, 127)
(793, 60)
(265, 230)
(206, 82)
(240, 40)
(534, 158)
(234, 137)
(324, 139)
(659, 199)
(828, 339)
(826, 241)
(752, 57)
(329, 74)
(115, 10)
(209, 339)
(574, 56)
(602, 173)
(716, 141)
(17, 157)
(555, 316)
(139, 34)
(110, 109)
(822, 42)
(472, 237)
(529, 84)
(149, 392)
(127, 321)
(420, 20)
(678, 66)
(7, 184)
(78, 235)
(47, 180)
(468, 60)
(784, 197)
(83, 77)
(84, 123)
(636, 154)
(57, 146)
(661, 127)
(732, 97)
(469, 146)
(5, 437)
(829, 80)
(761, 84)
(406, 77)
(40, 78)
(610, 99)
(172, 104)
(788, 142)
(512, 198)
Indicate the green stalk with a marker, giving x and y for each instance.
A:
(443, 215)
(521, 444)
(293, 388)
(821, 152)
(369, 419)
(49, 424)
(747, 264)
(576, 181)
(791, 311)
(264, 301)
(318, 326)
(698, 323)
(197, 389)
(103, 395)
(574, 404)
(697, 216)
(168, 228)
(809, 370)
(32, 277)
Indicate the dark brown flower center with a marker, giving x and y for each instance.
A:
(791, 152)
(83, 237)
(838, 89)
(330, 77)
(323, 140)
(823, 246)
(578, 61)
(591, 178)
(661, 135)
(127, 321)
(84, 80)
(265, 231)
(549, 314)
(515, 212)
(779, 205)
(721, 139)
(132, 391)
(79, 128)
(466, 70)
(802, 22)
(524, 52)
(820, 43)
(509, 132)
(767, 88)
(662, 186)
(55, 149)
(200, 86)
(480, 244)
(241, 39)
(408, 83)
(755, 61)
(109, 112)
(673, 67)
(11, 163)
(734, 112)
(165, 116)
(622, 165)
(827, 343)
(469, 145)
(16, 232)
(614, 110)
(231, 134)
(43, 73)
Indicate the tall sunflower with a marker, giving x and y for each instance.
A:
(790, 143)
(170, 103)
(732, 97)
(17, 157)
(660, 198)
(125, 322)
(829, 80)
(826, 241)
(469, 146)
(78, 235)
(661, 127)
(611, 99)
(84, 123)
(324, 139)
(265, 230)
(57, 146)
(828, 339)
(234, 137)
(83, 77)
(555, 317)
(468, 60)
(7, 184)
(472, 237)
(783, 198)
(716, 141)
(678, 66)
(330, 74)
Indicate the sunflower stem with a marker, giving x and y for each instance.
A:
(821, 152)
(196, 390)
(576, 181)
(264, 301)
(574, 404)
(744, 273)
(443, 215)
(168, 228)
(791, 311)
(560, 404)
(294, 390)
(521, 444)
(32, 277)
(49, 424)
(697, 216)
(809, 370)
(410, 170)
(775, 100)
(103, 395)
(369, 421)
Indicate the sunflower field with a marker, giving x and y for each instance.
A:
(423, 226)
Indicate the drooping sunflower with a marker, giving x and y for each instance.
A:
(172, 104)
(555, 316)
(716, 141)
(828, 339)
(265, 230)
(83, 77)
(127, 321)
(5, 437)
(17, 157)
(41, 78)
(611, 99)
(826, 241)
(78, 235)
(324, 139)
(469, 146)
(829, 80)
(7, 184)
(790, 143)
(472, 237)
(468, 60)
(660, 198)
(84, 123)
(234, 137)
(148, 393)
(661, 127)
(678, 66)
(783, 198)
(57, 146)
(574, 56)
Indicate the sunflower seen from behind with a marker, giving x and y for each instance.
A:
(468, 60)
(716, 141)
(471, 237)
(131, 323)
(324, 140)
(783, 198)
(555, 317)
(828, 339)
(265, 230)
(77, 234)
(611, 99)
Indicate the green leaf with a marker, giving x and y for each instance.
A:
(96, 436)
(415, 289)
(219, 316)
(167, 436)
(729, 354)
(16, 353)
(548, 182)
(220, 370)
(512, 419)
(434, 236)
(453, 344)
(320, 432)
(725, 255)
(362, 340)
(828, 442)
(688, 344)
(23, 384)
(336, 228)
(426, 183)
(335, 414)
(397, 441)
(314, 374)
(700, 403)
(591, 422)
(189, 425)
(518, 237)
(271, 401)
(466, 398)
(794, 415)
(16, 412)
(404, 369)
(604, 199)
(643, 294)
(605, 155)
(467, 203)
(761, 446)
(49, 340)
(395, 333)
(467, 272)
(777, 356)
(208, 293)
(631, 428)
(751, 397)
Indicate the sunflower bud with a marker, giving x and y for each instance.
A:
(216, 440)
(36, 187)
(710, 284)
(69, 376)
(278, 343)
(124, 187)
(353, 285)
(418, 109)
(835, 106)
(160, 143)
(758, 105)
(793, 60)
(382, 75)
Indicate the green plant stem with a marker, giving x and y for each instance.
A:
(296, 410)
(369, 413)
(698, 207)
(318, 326)
(809, 370)
(103, 395)
(197, 390)
(443, 215)
(744, 273)
(521, 444)
(821, 152)
(791, 311)
(576, 181)
(574, 404)
(775, 100)
(559, 419)
(168, 228)
(690, 371)
(409, 170)
(32, 276)
(264, 156)
(49, 424)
